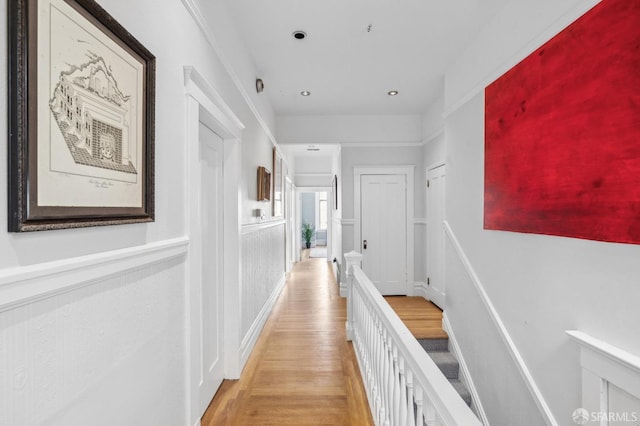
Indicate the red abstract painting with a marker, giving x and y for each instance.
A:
(562, 133)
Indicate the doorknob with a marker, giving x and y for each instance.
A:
(364, 244)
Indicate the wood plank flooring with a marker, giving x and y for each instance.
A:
(302, 370)
(422, 318)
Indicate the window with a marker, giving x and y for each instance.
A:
(322, 211)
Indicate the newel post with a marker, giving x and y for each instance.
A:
(352, 258)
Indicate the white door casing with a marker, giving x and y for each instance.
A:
(435, 235)
(205, 105)
(210, 288)
(401, 235)
(290, 223)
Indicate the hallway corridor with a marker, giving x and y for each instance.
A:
(302, 370)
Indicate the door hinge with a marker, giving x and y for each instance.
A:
(428, 281)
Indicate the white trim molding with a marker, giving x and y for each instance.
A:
(408, 171)
(197, 16)
(502, 329)
(204, 104)
(255, 227)
(27, 284)
(420, 289)
(604, 365)
(466, 378)
(433, 136)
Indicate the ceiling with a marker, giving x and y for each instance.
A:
(356, 51)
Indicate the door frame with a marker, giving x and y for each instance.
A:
(428, 291)
(204, 104)
(408, 171)
(313, 189)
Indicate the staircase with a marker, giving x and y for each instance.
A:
(438, 350)
(424, 320)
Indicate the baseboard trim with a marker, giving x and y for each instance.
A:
(464, 371)
(251, 338)
(420, 289)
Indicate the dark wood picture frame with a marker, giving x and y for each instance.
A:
(264, 184)
(70, 162)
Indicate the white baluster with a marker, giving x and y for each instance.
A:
(396, 387)
(430, 412)
(411, 413)
(402, 408)
(392, 366)
(419, 408)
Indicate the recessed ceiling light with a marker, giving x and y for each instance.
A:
(392, 92)
(305, 93)
(299, 35)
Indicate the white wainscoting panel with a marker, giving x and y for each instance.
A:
(262, 277)
(107, 352)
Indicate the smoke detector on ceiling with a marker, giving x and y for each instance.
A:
(313, 148)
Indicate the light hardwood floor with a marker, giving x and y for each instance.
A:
(302, 370)
(422, 318)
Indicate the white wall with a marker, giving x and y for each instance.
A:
(539, 285)
(118, 345)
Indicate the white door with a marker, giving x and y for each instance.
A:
(211, 301)
(435, 235)
(383, 204)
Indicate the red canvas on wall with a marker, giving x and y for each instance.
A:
(562, 133)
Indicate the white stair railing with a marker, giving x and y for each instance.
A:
(403, 384)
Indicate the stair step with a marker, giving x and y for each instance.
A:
(447, 363)
(431, 345)
(462, 391)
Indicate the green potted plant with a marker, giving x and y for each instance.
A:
(307, 233)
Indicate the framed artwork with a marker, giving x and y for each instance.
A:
(334, 186)
(264, 184)
(81, 118)
(277, 183)
(562, 132)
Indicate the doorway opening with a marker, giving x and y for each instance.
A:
(315, 217)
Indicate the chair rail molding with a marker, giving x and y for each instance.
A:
(502, 329)
(27, 284)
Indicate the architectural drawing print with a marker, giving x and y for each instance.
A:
(91, 113)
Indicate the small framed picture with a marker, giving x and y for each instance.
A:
(81, 118)
(264, 184)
